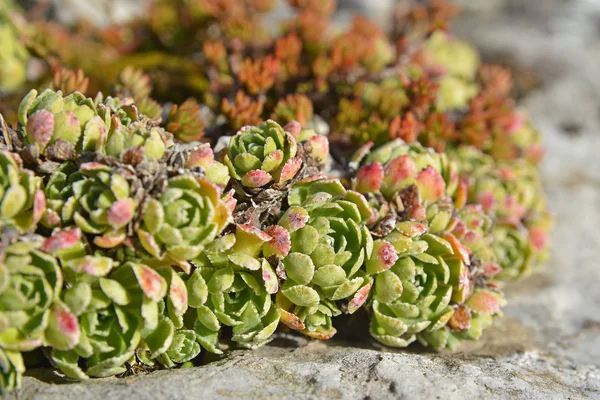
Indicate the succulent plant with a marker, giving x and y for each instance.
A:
(457, 62)
(116, 307)
(61, 128)
(423, 266)
(184, 347)
(242, 110)
(97, 198)
(258, 76)
(31, 311)
(394, 166)
(30, 307)
(185, 121)
(22, 199)
(57, 126)
(512, 195)
(134, 83)
(468, 320)
(322, 242)
(178, 223)
(260, 155)
(294, 108)
(69, 81)
(237, 284)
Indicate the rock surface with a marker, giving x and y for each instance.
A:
(547, 345)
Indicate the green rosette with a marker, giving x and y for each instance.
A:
(236, 287)
(322, 242)
(434, 251)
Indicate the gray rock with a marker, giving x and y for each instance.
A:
(547, 345)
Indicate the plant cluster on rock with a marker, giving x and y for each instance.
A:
(238, 179)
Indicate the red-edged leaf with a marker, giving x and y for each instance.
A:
(109, 241)
(431, 184)
(256, 178)
(40, 127)
(294, 128)
(230, 201)
(39, 205)
(484, 303)
(459, 249)
(369, 178)
(201, 157)
(491, 269)
(93, 166)
(152, 284)
(62, 240)
(539, 238)
(398, 173)
(319, 148)
(461, 319)
(320, 335)
(251, 230)
(290, 169)
(383, 257)
(121, 213)
(291, 321)
(359, 298)
(280, 243)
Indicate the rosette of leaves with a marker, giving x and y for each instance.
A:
(172, 342)
(473, 227)
(59, 189)
(179, 221)
(234, 285)
(512, 194)
(31, 311)
(61, 128)
(294, 107)
(22, 199)
(185, 121)
(58, 127)
(69, 81)
(134, 84)
(117, 307)
(423, 266)
(242, 110)
(259, 155)
(494, 125)
(457, 62)
(468, 320)
(397, 167)
(322, 242)
(367, 116)
(96, 197)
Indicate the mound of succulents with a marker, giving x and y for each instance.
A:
(192, 181)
